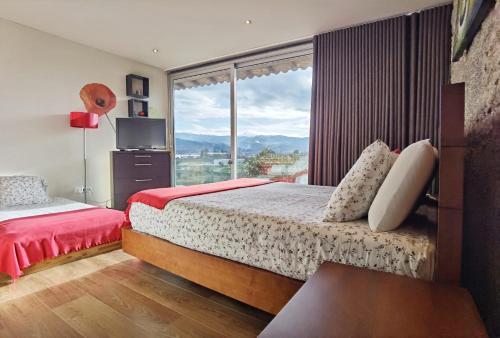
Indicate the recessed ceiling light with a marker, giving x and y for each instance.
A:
(248, 22)
(156, 50)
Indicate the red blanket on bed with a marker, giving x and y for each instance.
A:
(158, 198)
(29, 240)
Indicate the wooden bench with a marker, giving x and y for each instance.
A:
(345, 301)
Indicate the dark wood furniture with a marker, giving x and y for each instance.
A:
(451, 185)
(137, 108)
(137, 86)
(133, 171)
(346, 301)
(268, 291)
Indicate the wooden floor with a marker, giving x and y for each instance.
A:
(116, 295)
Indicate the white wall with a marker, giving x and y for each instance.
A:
(40, 79)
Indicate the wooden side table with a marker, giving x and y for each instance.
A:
(345, 301)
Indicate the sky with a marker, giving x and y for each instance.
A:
(277, 104)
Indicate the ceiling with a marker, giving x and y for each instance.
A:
(192, 31)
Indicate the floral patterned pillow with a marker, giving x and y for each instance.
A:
(352, 198)
(22, 190)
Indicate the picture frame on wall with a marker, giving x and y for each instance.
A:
(470, 15)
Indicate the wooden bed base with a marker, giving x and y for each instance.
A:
(64, 259)
(260, 288)
(269, 291)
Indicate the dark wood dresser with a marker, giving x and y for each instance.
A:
(133, 171)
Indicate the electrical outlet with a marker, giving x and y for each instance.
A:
(81, 190)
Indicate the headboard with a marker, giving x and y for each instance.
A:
(451, 183)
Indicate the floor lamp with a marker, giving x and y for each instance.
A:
(84, 120)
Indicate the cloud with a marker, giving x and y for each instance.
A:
(277, 104)
(199, 129)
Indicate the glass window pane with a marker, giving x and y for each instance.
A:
(202, 121)
(273, 123)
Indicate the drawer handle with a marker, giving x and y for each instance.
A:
(142, 164)
(142, 156)
(144, 180)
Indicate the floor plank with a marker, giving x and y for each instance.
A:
(158, 320)
(220, 318)
(60, 274)
(116, 295)
(140, 267)
(92, 318)
(60, 294)
(28, 317)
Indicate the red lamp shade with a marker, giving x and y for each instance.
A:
(83, 120)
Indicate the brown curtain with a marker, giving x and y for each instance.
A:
(376, 81)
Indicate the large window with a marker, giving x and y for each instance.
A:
(250, 120)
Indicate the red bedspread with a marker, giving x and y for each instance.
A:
(158, 198)
(29, 240)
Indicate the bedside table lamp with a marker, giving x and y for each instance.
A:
(84, 120)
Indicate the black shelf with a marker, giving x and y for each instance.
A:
(137, 86)
(135, 107)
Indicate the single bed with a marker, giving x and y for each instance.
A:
(252, 244)
(34, 236)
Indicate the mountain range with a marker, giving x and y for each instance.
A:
(187, 143)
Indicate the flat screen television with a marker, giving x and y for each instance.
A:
(140, 133)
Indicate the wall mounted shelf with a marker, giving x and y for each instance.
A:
(137, 108)
(137, 86)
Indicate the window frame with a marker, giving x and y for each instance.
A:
(231, 65)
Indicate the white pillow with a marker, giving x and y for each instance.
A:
(402, 187)
(22, 190)
(353, 196)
